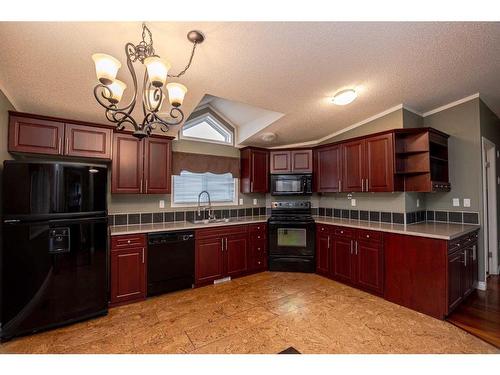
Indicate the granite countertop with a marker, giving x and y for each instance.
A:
(183, 225)
(442, 231)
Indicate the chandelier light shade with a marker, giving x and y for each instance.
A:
(116, 89)
(157, 70)
(176, 93)
(109, 91)
(106, 67)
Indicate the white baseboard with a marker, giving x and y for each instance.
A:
(223, 280)
(481, 285)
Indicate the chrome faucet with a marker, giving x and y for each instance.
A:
(209, 207)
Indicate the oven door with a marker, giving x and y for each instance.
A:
(291, 239)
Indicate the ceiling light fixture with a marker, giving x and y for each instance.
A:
(344, 97)
(155, 76)
(268, 137)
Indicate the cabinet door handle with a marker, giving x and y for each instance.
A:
(351, 246)
(141, 185)
(251, 187)
(465, 258)
(328, 245)
(226, 243)
(339, 186)
(66, 146)
(142, 255)
(59, 146)
(367, 189)
(146, 190)
(222, 243)
(356, 243)
(474, 252)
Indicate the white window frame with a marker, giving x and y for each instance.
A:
(214, 204)
(213, 119)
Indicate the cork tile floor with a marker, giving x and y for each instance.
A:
(262, 313)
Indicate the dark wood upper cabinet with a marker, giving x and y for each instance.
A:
(127, 165)
(157, 166)
(51, 136)
(254, 170)
(87, 141)
(141, 166)
(353, 166)
(328, 169)
(294, 161)
(35, 135)
(280, 162)
(302, 161)
(379, 170)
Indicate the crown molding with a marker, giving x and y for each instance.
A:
(452, 104)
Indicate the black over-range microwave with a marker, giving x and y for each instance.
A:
(291, 184)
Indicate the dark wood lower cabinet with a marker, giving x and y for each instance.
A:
(128, 269)
(432, 276)
(354, 257)
(235, 251)
(208, 259)
(229, 251)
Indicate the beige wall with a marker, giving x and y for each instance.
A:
(464, 153)
(5, 106)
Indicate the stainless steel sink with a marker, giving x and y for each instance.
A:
(211, 221)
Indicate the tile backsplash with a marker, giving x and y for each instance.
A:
(172, 216)
(363, 215)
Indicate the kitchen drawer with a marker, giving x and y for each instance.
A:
(222, 231)
(369, 235)
(257, 228)
(344, 232)
(324, 228)
(128, 241)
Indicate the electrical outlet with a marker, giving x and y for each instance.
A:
(466, 202)
(241, 201)
(353, 202)
(456, 202)
(255, 201)
(161, 203)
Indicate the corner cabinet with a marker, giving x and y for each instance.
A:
(254, 164)
(36, 134)
(141, 166)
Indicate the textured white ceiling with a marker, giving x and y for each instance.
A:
(287, 67)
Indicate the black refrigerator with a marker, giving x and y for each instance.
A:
(54, 255)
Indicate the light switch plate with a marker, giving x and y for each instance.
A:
(161, 203)
(255, 201)
(241, 201)
(353, 202)
(418, 202)
(456, 202)
(466, 202)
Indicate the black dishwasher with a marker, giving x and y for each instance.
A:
(170, 262)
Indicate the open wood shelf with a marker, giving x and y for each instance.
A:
(421, 159)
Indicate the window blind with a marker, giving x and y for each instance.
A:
(188, 185)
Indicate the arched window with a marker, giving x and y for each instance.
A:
(206, 125)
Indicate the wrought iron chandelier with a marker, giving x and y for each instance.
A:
(109, 91)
